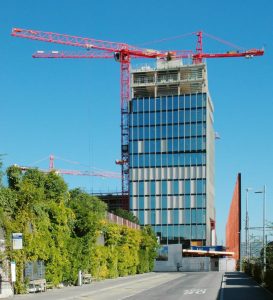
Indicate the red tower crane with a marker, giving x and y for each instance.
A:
(122, 53)
(97, 173)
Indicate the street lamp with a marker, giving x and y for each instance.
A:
(264, 245)
(247, 224)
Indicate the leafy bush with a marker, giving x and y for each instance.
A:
(61, 228)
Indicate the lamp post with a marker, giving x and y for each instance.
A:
(247, 224)
(264, 244)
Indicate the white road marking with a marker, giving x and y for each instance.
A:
(195, 292)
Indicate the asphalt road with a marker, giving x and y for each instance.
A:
(191, 286)
(176, 285)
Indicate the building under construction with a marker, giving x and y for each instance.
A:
(171, 143)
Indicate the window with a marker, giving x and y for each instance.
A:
(193, 232)
(163, 132)
(146, 104)
(170, 232)
(170, 145)
(187, 102)
(134, 105)
(141, 216)
(141, 188)
(175, 116)
(175, 131)
(175, 145)
(170, 159)
(200, 216)
(140, 133)
(158, 104)
(193, 215)
(169, 103)
(152, 146)
(182, 147)
(164, 216)
(187, 201)
(187, 159)
(152, 132)
(152, 160)
(193, 101)
(187, 144)
(164, 203)
(175, 102)
(175, 159)
(175, 187)
(152, 187)
(176, 217)
(152, 118)
(187, 216)
(181, 116)
(187, 116)
(187, 130)
(164, 160)
(140, 105)
(181, 102)
(152, 104)
(152, 199)
(181, 130)
(187, 231)
(152, 217)
(201, 201)
(141, 202)
(199, 115)
(201, 232)
(170, 117)
(164, 187)
(170, 131)
(193, 115)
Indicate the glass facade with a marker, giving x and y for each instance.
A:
(167, 144)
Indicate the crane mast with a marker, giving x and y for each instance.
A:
(123, 53)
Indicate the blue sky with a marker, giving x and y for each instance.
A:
(71, 107)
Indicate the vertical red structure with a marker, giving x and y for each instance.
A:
(233, 225)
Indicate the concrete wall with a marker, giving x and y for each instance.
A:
(174, 258)
(195, 264)
(227, 264)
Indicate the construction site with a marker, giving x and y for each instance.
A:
(167, 134)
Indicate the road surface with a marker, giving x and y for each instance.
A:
(175, 285)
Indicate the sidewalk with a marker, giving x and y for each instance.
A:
(237, 285)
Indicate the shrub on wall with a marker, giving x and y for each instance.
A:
(61, 227)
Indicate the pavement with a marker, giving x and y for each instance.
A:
(237, 285)
(157, 286)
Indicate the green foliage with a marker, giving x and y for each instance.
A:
(268, 279)
(14, 175)
(61, 228)
(125, 214)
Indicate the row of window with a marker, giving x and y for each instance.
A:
(173, 131)
(169, 145)
(181, 232)
(167, 160)
(189, 216)
(165, 187)
(158, 201)
(168, 102)
(168, 117)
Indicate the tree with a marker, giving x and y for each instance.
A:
(14, 175)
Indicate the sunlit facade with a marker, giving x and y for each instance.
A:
(172, 152)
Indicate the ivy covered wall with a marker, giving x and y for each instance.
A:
(61, 227)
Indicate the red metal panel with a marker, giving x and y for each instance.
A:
(233, 225)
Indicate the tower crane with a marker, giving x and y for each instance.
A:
(98, 173)
(122, 53)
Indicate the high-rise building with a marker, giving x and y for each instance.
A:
(171, 144)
